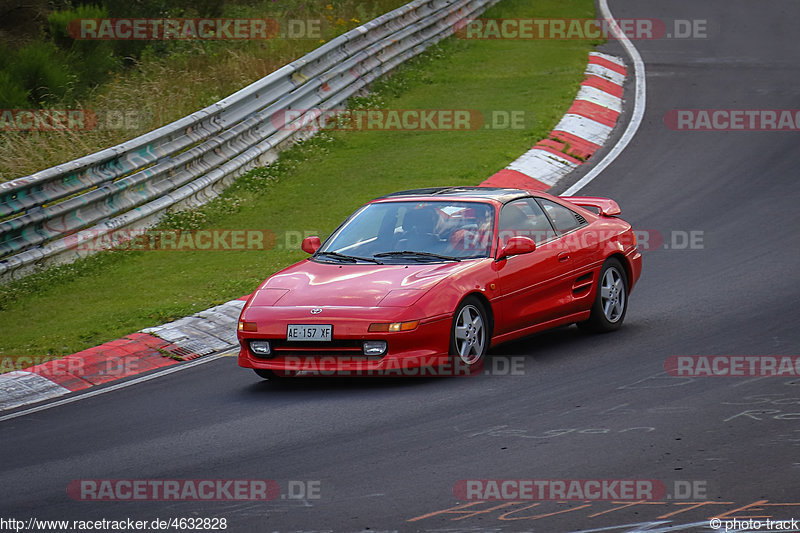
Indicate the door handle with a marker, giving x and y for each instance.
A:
(563, 257)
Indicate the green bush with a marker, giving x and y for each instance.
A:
(12, 94)
(90, 60)
(131, 50)
(163, 8)
(42, 70)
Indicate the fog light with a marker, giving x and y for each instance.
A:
(260, 347)
(374, 347)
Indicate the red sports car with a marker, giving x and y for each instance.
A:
(423, 282)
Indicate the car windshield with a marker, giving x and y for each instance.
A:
(396, 231)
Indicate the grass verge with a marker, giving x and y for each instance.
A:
(312, 188)
(171, 79)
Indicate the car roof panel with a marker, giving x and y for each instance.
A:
(478, 193)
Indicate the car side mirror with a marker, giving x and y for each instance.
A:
(517, 246)
(310, 244)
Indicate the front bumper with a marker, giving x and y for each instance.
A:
(422, 351)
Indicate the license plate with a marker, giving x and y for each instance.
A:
(309, 332)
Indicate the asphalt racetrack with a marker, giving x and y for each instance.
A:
(385, 455)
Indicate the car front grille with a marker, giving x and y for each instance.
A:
(335, 348)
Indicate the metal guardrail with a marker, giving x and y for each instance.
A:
(191, 160)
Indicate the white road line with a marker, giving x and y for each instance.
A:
(638, 106)
(96, 392)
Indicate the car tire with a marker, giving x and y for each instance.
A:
(611, 301)
(469, 336)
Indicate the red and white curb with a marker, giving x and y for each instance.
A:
(204, 333)
(582, 131)
(23, 387)
(211, 331)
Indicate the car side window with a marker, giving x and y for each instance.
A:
(524, 218)
(564, 219)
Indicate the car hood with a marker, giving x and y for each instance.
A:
(309, 283)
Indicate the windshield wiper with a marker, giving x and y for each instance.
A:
(418, 255)
(348, 258)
